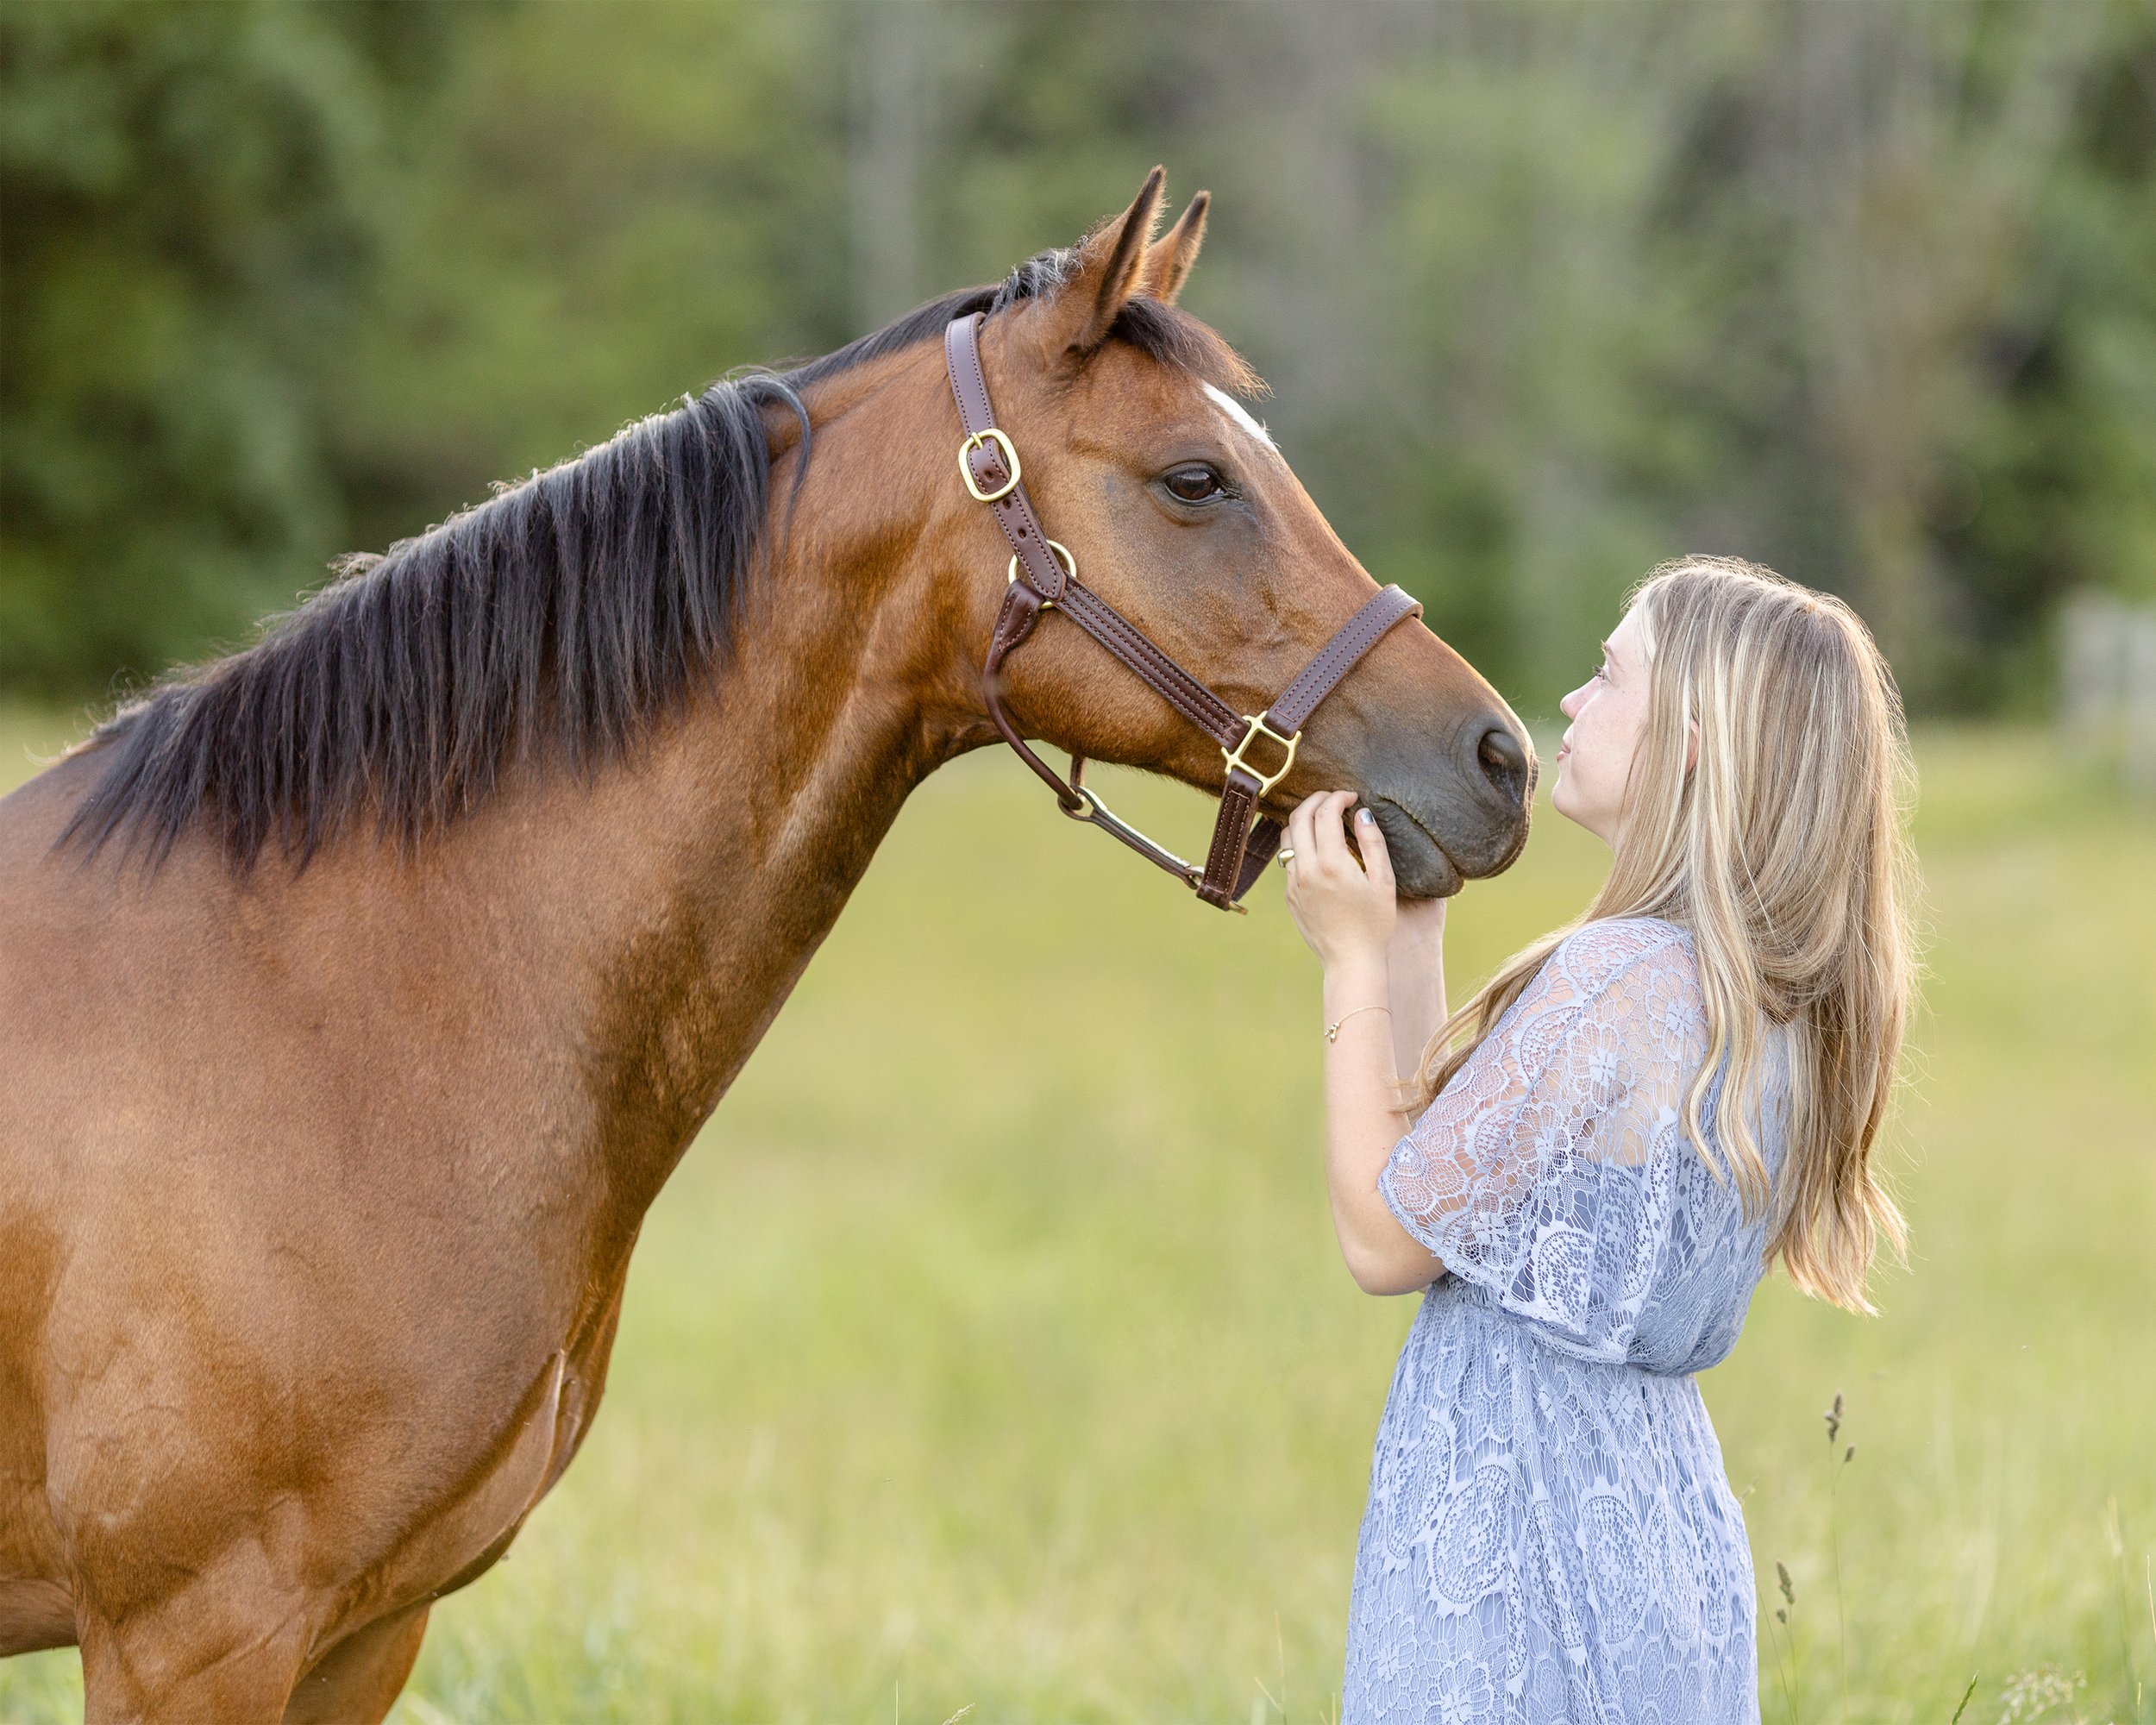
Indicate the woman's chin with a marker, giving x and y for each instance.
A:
(1567, 807)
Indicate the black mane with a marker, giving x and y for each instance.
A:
(562, 617)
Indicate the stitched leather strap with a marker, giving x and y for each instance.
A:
(1182, 691)
(1339, 655)
(1243, 840)
(984, 459)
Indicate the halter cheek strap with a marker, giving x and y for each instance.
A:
(1258, 749)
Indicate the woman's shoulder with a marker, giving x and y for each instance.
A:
(1598, 952)
(1632, 969)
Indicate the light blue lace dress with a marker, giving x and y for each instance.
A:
(1551, 1534)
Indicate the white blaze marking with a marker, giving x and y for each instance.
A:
(1235, 410)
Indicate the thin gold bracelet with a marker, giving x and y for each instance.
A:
(1333, 1029)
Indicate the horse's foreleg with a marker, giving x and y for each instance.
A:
(358, 1680)
(156, 1668)
(141, 1675)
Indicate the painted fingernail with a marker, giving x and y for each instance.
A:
(1363, 816)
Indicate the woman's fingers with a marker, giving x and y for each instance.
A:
(1328, 834)
(1299, 827)
(1377, 862)
(1300, 840)
(1343, 908)
(1317, 834)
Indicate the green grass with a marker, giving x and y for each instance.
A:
(991, 1348)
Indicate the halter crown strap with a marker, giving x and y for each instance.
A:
(1043, 576)
(991, 464)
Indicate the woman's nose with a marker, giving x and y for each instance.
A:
(1570, 705)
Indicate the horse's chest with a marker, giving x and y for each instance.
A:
(549, 1430)
(472, 1523)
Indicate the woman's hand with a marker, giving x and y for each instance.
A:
(1346, 910)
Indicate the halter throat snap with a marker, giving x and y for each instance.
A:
(1043, 576)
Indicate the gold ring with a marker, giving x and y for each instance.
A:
(1287, 855)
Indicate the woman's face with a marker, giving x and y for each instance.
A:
(1610, 720)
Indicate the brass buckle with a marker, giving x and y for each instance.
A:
(1257, 725)
(1009, 460)
(1061, 552)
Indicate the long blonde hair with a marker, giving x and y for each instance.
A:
(1783, 852)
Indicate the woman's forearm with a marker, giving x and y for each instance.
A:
(1350, 913)
(1417, 981)
(1364, 1121)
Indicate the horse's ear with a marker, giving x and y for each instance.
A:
(1112, 262)
(1169, 259)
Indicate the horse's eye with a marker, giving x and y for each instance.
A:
(1196, 483)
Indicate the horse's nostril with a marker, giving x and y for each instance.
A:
(1503, 761)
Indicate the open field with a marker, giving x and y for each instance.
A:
(1035, 1385)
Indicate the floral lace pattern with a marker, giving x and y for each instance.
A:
(1550, 1534)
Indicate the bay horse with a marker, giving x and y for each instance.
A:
(360, 990)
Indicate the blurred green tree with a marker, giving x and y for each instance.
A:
(618, 207)
(2051, 483)
(188, 194)
(1547, 291)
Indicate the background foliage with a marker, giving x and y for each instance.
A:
(1547, 291)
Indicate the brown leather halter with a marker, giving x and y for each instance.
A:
(1043, 576)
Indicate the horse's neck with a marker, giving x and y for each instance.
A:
(709, 875)
(679, 898)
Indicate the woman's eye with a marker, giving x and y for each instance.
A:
(1194, 484)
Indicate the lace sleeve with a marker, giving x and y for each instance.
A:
(1544, 1172)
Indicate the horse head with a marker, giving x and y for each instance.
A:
(1168, 499)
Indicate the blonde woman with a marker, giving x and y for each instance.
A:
(1609, 1144)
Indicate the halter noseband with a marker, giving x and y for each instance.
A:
(1043, 576)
